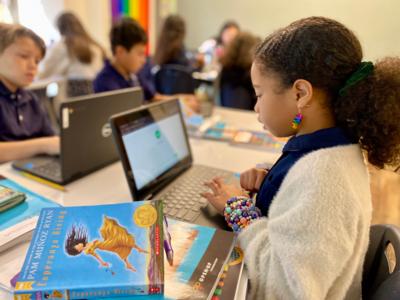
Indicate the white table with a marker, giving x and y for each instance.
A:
(109, 185)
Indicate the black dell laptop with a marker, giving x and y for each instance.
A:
(158, 163)
(85, 134)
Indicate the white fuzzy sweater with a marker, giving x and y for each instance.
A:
(313, 243)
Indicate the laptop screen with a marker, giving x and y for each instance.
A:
(154, 142)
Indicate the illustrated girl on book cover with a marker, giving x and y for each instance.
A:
(116, 239)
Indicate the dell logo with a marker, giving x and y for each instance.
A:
(106, 130)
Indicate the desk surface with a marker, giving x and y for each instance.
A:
(108, 185)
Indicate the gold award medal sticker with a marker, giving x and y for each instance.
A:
(145, 215)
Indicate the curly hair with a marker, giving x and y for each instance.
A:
(326, 53)
(240, 51)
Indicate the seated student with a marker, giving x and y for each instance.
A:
(170, 48)
(236, 89)
(25, 128)
(128, 45)
(307, 233)
(76, 56)
(124, 70)
(213, 49)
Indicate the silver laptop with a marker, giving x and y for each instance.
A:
(85, 134)
(156, 156)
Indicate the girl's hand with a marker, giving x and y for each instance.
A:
(220, 193)
(252, 179)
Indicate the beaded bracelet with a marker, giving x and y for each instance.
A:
(239, 212)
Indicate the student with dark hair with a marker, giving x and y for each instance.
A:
(76, 56)
(125, 69)
(236, 89)
(170, 48)
(25, 129)
(128, 44)
(307, 233)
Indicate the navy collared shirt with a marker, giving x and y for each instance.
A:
(294, 149)
(22, 116)
(110, 79)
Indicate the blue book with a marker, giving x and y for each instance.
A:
(18, 222)
(94, 252)
(200, 254)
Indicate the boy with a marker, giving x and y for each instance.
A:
(129, 67)
(128, 45)
(25, 129)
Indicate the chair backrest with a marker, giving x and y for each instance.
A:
(79, 87)
(236, 97)
(381, 278)
(174, 79)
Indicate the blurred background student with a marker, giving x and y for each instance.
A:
(170, 48)
(213, 49)
(77, 57)
(25, 128)
(236, 89)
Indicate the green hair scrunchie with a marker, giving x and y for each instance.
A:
(362, 72)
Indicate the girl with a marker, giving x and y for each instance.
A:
(170, 47)
(236, 89)
(115, 239)
(315, 202)
(76, 55)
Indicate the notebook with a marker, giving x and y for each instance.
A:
(156, 156)
(85, 134)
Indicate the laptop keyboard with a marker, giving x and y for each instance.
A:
(49, 169)
(183, 201)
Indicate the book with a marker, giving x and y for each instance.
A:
(258, 139)
(217, 130)
(90, 252)
(17, 223)
(228, 283)
(10, 198)
(200, 254)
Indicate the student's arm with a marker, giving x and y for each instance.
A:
(311, 245)
(24, 149)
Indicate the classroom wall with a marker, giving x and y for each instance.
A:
(95, 15)
(376, 23)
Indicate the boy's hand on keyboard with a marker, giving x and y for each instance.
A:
(221, 192)
(51, 145)
(252, 179)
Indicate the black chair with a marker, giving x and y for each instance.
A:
(236, 97)
(174, 79)
(381, 277)
(79, 87)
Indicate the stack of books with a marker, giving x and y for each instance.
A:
(110, 251)
(215, 129)
(95, 252)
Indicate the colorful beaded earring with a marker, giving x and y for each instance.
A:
(297, 120)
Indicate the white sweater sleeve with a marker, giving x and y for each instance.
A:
(56, 61)
(307, 248)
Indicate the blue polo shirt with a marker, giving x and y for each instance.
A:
(22, 116)
(294, 149)
(110, 79)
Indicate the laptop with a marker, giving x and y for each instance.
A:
(157, 159)
(85, 134)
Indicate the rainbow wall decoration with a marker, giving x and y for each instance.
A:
(137, 9)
